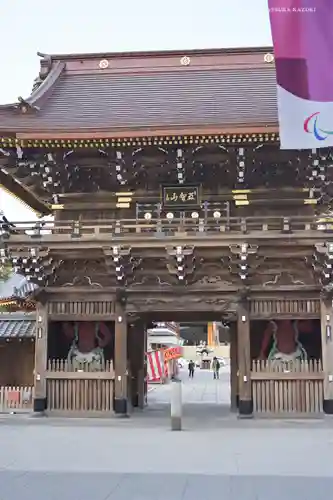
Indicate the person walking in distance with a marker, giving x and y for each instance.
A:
(216, 368)
(191, 367)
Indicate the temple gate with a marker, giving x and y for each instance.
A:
(154, 220)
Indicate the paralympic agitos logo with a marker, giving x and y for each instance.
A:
(311, 127)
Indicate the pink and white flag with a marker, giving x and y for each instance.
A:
(302, 32)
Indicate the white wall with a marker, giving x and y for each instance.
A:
(190, 352)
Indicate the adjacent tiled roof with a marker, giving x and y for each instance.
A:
(17, 325)
(164, 331)
(16, 286)
(78, 100)
(24, 289)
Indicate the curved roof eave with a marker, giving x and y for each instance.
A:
(42, 91)
(21, 193)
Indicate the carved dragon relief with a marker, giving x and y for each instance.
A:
(214, 274)
(83, 281)
(81, 273)
(149, 273)
(147, 281)
(216, 280)
(274, 272)
(290, 272)
(199, 271)
(99, 272)
(207, 274)
(172, 303)
(283, 278)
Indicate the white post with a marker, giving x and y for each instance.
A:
(176, 405)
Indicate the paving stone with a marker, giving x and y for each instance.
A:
(217, 456)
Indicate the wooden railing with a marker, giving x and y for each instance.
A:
(104, 228)
(64, 366)
(16, 399)
(287, 388)
(79, 390)
(81, 308)
(279, 307)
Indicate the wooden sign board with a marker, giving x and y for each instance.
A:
(181, 196)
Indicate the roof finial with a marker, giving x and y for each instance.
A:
(24, 106)
(46, 61)
(47, 57)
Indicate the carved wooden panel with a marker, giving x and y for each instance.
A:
(187, 303)
(90, 308)
(274, 308)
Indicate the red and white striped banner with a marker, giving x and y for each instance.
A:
(155, 366)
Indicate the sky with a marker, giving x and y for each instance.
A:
(69, 26)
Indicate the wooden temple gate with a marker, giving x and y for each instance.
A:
(175, 215)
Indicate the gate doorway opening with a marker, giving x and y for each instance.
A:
(204, 394)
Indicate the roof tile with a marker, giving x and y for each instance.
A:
(169, 98)
(17, 325)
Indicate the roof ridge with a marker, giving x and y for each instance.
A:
(147, 53)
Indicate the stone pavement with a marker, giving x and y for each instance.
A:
(202, 389)
(216, 456)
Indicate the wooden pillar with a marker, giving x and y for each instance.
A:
(327, 352)
(131, 364)
(245, 404)
(40, 394)
(141, 353)
(145, 373)
(136, 356)
(233, 367)
(130, 370)
(120, 361)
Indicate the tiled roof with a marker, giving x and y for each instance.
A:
(16, 286)
(216, 88)
(17, 325)
(168, 98)
(24, 289)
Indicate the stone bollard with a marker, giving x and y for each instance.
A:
(176, 404)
